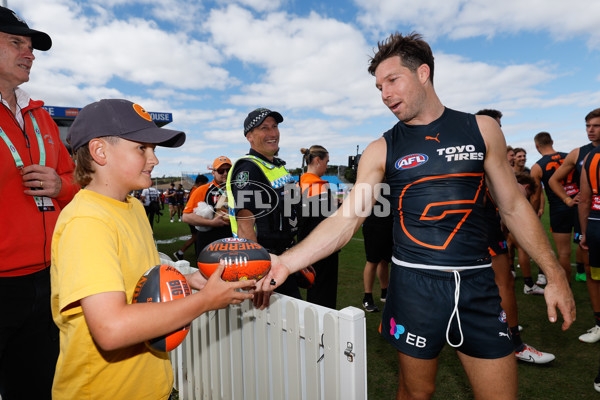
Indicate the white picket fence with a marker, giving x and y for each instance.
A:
(292, 350)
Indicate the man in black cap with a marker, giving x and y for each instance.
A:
(36, 184)
(256, 186)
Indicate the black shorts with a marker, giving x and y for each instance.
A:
(562, 222)
(576, 226)
(592, 238)
(497, 240)
(420, 305)
(379, 242)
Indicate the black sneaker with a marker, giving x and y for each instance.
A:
(178, 255)
(370, 306)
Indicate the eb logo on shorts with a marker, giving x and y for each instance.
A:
(414, 340)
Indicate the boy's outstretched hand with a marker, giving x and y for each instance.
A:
(219, 293)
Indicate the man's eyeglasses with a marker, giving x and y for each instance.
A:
(222, 171)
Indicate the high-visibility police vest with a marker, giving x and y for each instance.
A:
(281, 228)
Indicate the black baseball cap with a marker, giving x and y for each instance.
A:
(122, 118)
(256, 117)
(11, 23)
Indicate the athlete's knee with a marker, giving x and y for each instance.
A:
(422, 392)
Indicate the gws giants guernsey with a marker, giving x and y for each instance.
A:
(437, 185)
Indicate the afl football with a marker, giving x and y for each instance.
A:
(244, 259)
(160, 284)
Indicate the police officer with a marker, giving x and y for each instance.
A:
(256, 186)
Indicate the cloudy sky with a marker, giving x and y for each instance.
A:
(211, 62)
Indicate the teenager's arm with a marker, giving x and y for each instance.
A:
(115, 324)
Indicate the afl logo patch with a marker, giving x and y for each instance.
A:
(234, 240)
(502, 317)
(411, 161)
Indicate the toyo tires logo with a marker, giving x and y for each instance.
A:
(411, 161)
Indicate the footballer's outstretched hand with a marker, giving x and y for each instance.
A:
(276, 276)
(264, 287)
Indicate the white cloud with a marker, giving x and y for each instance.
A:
(257, 5)
(311, 63)
(460, 19)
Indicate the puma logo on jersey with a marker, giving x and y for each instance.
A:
(433, 138)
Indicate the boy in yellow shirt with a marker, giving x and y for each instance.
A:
(101, 246)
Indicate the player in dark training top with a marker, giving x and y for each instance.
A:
(442, 285)
(562, 217)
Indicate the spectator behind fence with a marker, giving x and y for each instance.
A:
(179, 254)
(150, 198)
(317, 204)
(36, 184)
(201, 209)
(101, 247)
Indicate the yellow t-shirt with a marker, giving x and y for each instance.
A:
(102, 245)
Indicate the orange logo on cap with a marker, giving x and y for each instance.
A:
(141, 112)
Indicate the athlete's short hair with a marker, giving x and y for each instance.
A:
(490, 113)
(592, 114)
(519, 150)
(526, 179)
(412, 50)
(509, 148)
(543, 139)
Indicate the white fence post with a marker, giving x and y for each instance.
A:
(292, 350)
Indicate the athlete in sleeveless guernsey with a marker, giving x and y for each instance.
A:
(438, 163)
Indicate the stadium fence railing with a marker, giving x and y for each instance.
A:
(290, 350)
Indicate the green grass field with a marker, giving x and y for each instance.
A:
(570, 376)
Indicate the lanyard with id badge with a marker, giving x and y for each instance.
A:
(43, 203)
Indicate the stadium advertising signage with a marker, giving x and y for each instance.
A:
(71, 113)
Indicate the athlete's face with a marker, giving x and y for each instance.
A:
(402, 90)
(265, 138)
(593, 129)
(520, 159)
(510, 155)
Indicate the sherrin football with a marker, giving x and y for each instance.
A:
(160, 284)
(244, 259)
